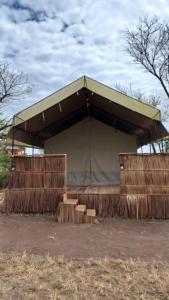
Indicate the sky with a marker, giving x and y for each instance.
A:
(56, 41)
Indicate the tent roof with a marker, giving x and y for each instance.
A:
(18, 143)
(80, 99)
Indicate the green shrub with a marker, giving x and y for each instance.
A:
(4, 168)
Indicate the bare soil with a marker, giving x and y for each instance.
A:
(115, 238)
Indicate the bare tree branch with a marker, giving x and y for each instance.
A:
(13, 85)
(148, 45)
(151, 100)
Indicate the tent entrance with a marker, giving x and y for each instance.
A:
(93, 178)
(92, 149)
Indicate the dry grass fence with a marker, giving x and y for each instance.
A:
(106, 205)
(36, 185)
(144, 186)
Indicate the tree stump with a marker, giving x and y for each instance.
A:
(67, 211)
(80, 214)
(90, 216)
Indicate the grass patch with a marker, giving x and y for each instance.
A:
(36, 277)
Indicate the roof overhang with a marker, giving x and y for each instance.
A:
(87, 97)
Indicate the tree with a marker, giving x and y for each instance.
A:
(4, 168)
(151, 100)
(13, 85)
(148, 45)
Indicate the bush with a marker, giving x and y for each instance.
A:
(4, 168)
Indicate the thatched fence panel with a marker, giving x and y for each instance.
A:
(36, 184)
(144, 185)
(106, 205)
(135, 161)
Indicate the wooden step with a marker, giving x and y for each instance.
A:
(90, 216)
(80, 211)
(91, 212)
(64, 197)
(71, 201)
(67, 211)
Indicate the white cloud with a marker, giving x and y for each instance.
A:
(55, 42)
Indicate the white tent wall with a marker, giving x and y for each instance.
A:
(92, 149)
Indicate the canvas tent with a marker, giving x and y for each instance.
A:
(92, 124)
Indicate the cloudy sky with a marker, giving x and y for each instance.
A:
(57, 41)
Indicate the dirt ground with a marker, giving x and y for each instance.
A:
(116, 238)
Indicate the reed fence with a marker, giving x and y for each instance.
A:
(106, 205)
(144, 185)
(36, 184)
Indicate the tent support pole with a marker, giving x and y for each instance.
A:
(13, 141)
(33, 152)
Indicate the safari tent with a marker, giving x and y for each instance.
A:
(92, 124)
(90, 134)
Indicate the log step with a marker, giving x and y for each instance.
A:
(67, 211)
(91, 212)
(80, 211)
(72, 212)
(90, 216)
(81, 207)
(73, 202)
(64, 197)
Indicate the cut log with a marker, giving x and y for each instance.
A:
(71, 201)
(80, 211)
(90, 216)
(66, 212)
(64, 197)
